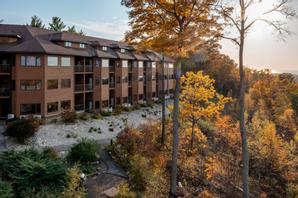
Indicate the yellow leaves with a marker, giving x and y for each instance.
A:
(212, 167)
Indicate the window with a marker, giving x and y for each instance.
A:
(124, 63)
(118, 79)
(153, 64)
(67, 44)
(65, 83)
(52, 84)
(30, 85)
(52, 107)
(30, 61)
(66, 105)
(141, 64)
(52, 61)
(97, 80)
(82, 45)
(97, 104)
(105, 62)
(105, 81)
(65, 61)
(141, 78)
(122, 50)
(153, 77)
(30, 108)
(104, 48)
(171, 65)
(105, 103)
(141, 97)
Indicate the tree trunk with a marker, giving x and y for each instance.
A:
(163, 118)
(192, 134)
(245, 157)
(175, 131)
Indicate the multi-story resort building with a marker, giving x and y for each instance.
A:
(44, 73)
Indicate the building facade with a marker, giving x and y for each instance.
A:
(43, 73)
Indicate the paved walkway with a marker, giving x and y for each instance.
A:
(2, 138)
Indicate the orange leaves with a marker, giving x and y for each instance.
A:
(175, 28)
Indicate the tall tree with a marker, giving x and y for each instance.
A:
(236, 13)
(72, 29)
(57, 24)
(173, 27)
(36, 22)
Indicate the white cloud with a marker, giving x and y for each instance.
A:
(111, 30)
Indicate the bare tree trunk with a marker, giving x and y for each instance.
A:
(175, 131)
(192, 134)
(245, 157)
(163, 119)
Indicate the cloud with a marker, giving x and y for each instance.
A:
(111, 30)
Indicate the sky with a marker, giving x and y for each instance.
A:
(108, 19)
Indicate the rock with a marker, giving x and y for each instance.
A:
(111, 192)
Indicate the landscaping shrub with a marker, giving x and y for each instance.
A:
(33, 172)
(6, 190)
(139, 173)
(22, 129)
(69, 117)
(83, 152)
(84, 116)
(105, 113)
(118, 110)
(97, 116)
(74, 184)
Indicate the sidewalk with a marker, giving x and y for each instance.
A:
(2, 138)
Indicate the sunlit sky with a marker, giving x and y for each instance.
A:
(108, 19)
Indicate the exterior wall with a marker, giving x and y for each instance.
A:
(28, 97)
(60, 94)
(97, 95)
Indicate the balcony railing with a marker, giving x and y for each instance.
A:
(112, 84)
(5, 68)
(112, 68)
(88, 87)
(129, 83)
(88, 68)
(5, 92)
(79, 87)
(79, 68)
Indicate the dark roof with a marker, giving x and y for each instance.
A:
(36, 40)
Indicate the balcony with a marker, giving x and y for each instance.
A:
(88, 87)
(5, 69)
(130, 83)
(79, 87)
(112, 68)
(88, 68)
(5, 92)
(79, 107)
(112, 84)
(79, 68)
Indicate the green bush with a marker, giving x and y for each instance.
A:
(105, 113)
(22, 129)
(6, 190)
(139, 173)
(33, 172)
(69, 117)
(83, 152)
(84, 116)
(97, 116)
